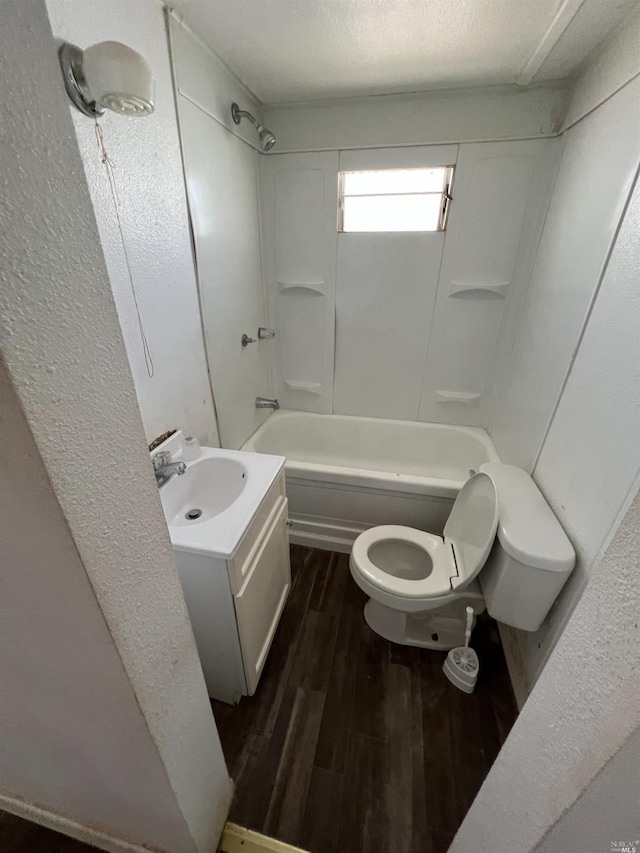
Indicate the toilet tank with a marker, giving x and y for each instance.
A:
(532, 556)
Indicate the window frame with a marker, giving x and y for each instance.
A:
(444, 207)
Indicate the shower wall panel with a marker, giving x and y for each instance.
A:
(501, 192)
(299, 210)
(222, 185)
(408, 325)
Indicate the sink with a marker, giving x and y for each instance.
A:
(209, 486)
(209, 508)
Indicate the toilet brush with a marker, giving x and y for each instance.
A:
(461, 666)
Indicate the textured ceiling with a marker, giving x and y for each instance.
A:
(296, 50)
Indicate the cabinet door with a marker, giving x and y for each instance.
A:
(262, 597)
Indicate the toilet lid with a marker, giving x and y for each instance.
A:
(471, 527)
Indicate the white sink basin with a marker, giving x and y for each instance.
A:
(210, 506)
(209, 486)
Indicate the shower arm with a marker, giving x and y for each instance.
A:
(237, 115)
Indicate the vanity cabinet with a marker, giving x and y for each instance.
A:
(235, 603)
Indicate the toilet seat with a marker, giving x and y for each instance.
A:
(437, 582)
(454, 561)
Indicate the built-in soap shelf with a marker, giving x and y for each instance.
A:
(478, 291)
(457, 397)
(315, 286)
(300, 385)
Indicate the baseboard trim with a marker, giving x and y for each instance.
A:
(59, 823)
(323, 543)
(327, 534)
(237, 839)
(517, 675)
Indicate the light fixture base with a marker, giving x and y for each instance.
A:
(236, 113)
(70, 56)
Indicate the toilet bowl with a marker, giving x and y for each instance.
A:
(420, 584)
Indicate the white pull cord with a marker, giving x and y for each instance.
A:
(109, 167)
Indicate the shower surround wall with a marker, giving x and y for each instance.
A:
(148, 170)
(220, 163)
(410, 326)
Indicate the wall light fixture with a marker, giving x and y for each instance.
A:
(107, 75)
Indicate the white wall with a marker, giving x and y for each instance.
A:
(385, 297)
(591, 456)
(299, 209)
(612, 66)
(570, 407)
(598, 166)
(146, 153)
(462, 115)
(583, 709)
(109, 733)
(220, 163)
(607, 812)
(500, 195)
(74, 740)
(422, 323)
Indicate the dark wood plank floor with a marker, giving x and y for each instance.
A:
(351, 743)
(22, 836)
(354, 744)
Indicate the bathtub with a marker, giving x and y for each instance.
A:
(345, 474)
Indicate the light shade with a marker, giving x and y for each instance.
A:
(119, 78)
(107, 74)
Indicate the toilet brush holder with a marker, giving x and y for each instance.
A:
(462, 664)
(461, 668)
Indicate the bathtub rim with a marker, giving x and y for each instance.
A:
(326, 472)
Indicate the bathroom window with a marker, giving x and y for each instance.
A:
(394, 199)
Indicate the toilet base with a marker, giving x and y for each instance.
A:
(442, 628)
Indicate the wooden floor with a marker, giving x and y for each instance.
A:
(354, 744)
(22, 836)
(350, 744)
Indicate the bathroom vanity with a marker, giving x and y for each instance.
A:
(233, 561)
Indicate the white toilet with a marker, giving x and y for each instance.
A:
(419, 584)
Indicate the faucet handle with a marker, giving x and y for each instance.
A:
(160, 459)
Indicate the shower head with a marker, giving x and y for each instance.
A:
(267, 139)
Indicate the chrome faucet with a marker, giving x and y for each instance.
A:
(164, 468)
(266, 403)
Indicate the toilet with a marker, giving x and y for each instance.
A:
(502, 550)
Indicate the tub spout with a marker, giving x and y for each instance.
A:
(266, 403)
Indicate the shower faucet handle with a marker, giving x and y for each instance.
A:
(245, 340)
(265, 334)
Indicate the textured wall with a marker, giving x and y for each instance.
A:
(146, 152)
(584, 707)
(607, 812)
(74, 740)
(63, 350)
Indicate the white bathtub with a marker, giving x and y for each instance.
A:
(346, 474)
